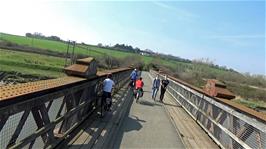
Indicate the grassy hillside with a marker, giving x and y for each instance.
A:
(193, 73)
(33, 64)
(62, 47)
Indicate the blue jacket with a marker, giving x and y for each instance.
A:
(133, 75)
(156, 83)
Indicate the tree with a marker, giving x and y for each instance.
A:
(28, 35)
(137, 50)
(100, 45)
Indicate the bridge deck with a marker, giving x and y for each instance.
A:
(147, 124)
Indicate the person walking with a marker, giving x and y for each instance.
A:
(155, 87)
(108, 85)
(165, 82)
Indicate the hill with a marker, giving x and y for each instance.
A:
(193, 72)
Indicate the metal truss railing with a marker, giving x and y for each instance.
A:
(227, 125)
(41, 114)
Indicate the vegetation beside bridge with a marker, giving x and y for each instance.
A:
(193, 72)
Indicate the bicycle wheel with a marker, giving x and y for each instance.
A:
(103, 107)
(137, 96)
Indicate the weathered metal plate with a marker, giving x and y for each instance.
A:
(13, 91)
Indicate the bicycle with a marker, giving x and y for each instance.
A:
(138, 94)
(132, 83)
(106, 103)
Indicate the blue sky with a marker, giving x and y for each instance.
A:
(231, 33)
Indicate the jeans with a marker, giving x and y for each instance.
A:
(154, 92)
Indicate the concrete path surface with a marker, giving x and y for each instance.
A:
(147, 124)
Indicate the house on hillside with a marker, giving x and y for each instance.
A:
(216, 88)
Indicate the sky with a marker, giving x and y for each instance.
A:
(230, 33)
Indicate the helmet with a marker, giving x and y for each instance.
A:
(109, 75)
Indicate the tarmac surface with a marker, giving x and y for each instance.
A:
(147, 124)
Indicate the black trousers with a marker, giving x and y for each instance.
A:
(105, 96)
(162, 93)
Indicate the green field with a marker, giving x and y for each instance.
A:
(202, 71)
(193, 73)
(27, 63)
(62, 46)
(33, 64)
(89, 50)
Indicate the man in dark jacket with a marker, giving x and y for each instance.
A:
(165, 82)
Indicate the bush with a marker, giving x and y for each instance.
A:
(108, 62)
(134, 61)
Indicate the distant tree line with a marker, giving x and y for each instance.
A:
(148, 52)
(210, 63)
(41, 36)
(172, 57)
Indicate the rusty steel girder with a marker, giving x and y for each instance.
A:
(50, 110)
(9, 92)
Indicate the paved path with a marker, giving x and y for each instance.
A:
(147, 125)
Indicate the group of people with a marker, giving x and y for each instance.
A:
(155, 85)
(135, 82)
(108, 85)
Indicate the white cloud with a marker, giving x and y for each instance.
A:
(255, 36)
(180, 14)
(163, 5)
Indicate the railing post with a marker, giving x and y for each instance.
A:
(58, 106)
(225, 122)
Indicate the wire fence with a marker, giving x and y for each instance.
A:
(228, 127)
(46, 117)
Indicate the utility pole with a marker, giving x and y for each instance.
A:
(88, 51)
(73, 52)
(32, 40)
(67, 52)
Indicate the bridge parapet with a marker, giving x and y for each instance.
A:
(229, 124)
(41, 114)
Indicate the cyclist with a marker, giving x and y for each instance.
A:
(139, 86)
(133, 77)
(108, 85)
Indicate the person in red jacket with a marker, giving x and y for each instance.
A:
(139, 85)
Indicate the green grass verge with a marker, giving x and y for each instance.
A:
(57, 46)
(52, 66)
(257, 104)
(28, 63)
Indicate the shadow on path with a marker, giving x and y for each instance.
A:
(148, 103)
(173, 105)
(132, 123)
